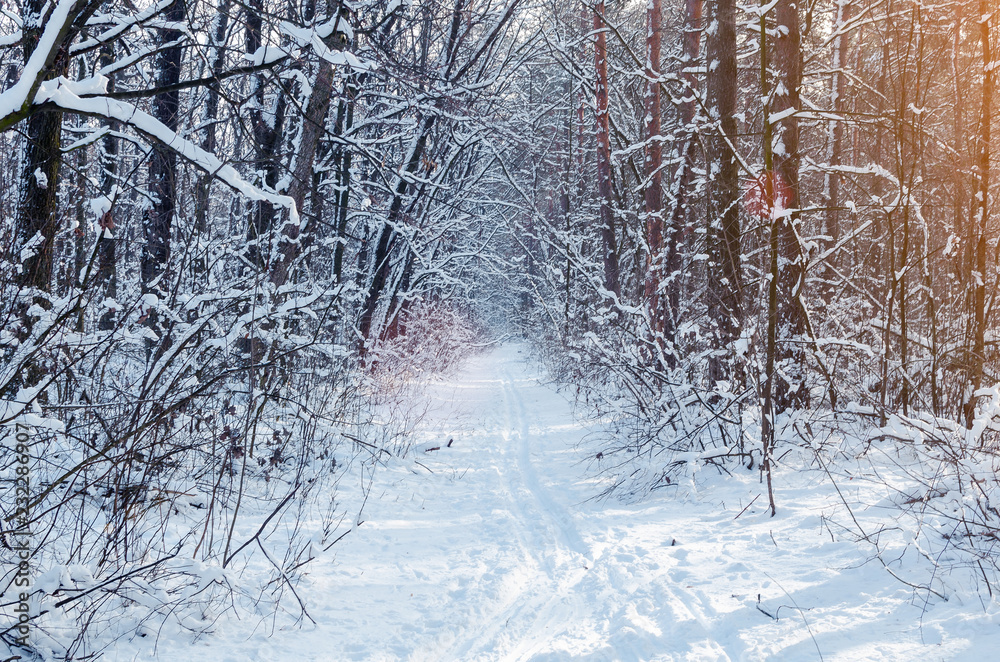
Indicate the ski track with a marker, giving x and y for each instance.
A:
(492, 549)
(564, 573)
(558, 554)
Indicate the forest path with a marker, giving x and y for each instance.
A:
(491, 548)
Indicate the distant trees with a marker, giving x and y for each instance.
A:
(843, 248)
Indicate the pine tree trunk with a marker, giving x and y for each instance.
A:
(678, 228)
(654, 162)
(789, 391)
(980, 216)
(838, 87)
(725, 273)
(607, 221)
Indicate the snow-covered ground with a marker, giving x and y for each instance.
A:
(485, 544)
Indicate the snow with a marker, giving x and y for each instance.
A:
(760, 10)
(312, 38)
(396, 4)
(100, 205)
(28, 250)
(338, 24)
(72, 95)
(122, 25)
(774, 118)
(8, 40)
(14, 98)
(266, 55)
(485, 544)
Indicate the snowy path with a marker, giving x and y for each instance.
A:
(490, 550)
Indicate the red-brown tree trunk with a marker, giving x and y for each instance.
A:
(654, 162)
(610, 247)
(838, 87)
(980, 215)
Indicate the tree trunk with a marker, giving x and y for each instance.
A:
(208, 142)
(313, 128)
(789, 391)
(678, 227)
(838, 86)
(158, 219)
(609, 245)
(342, 167)
(387, 235)
(37, 213)
(266, 129)
(107, 277)
(564, 206)
(980, 215)
(654, 163)
(725, 273)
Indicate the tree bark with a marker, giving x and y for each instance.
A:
(678, 227)
(725, 272)
(158, 219)
(37, 214)
(209, 118)
(387, 235)
(266, 130)
(107, 259)
(838, 87)
(342, 166)
(980, 215)
(313, 128)
(654, 162)
(609, 245)
(790, 390)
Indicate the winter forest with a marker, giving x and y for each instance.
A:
(499, 329)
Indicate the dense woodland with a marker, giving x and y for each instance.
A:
(232, 230)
